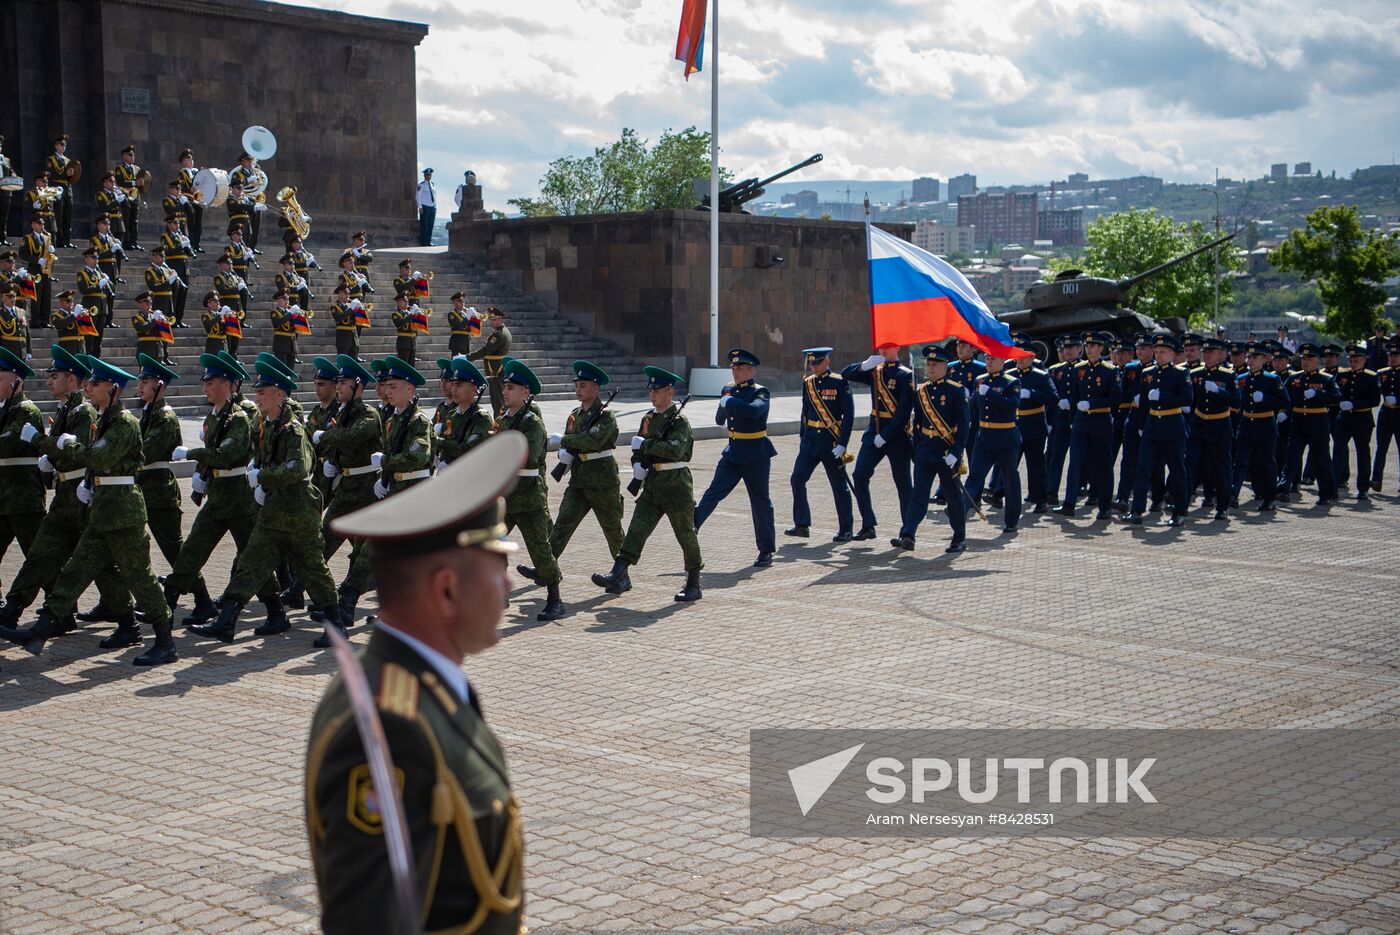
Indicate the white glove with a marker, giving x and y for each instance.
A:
(64, 440)
(1281, 417)
(1309, 393)
(951, 460)
(380, 491)
(1390, 400)
(982, 390)
(1082, 405)
(1154, 395)
(871, 362)
(1212, 386)
(1025, 394)
(637, 442)
(1137, 400)
(259, 495)
(724, 401)
(199, 484)
(201, 433)
(1348, 405)
(329, 469)
(84, 492)
(437, 428)
(180, 453)
(440, 465)
(879, 441)
(253, 476)
(317, 435)
(838, 451)
(1064, 404)
(27, 432)
(1186, 409)
(45, 464)
(552, 443)
(639, 472)
(566, 456)
(375, 458)
(1258, 397)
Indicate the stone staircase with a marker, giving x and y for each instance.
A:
(546, 341)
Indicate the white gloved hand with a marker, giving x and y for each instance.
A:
(725, 401)
(317, 435)
(380, 491)
(1281, 417)
(1025, 394)
(1154, 395)
(253, 476)
(180, 453)
(566, 456)
(1212, 386)
(1137, 400)
(1064, 404)
(84, 492)
(199, 484)
(838, 451)
(982, 389)
(259, 495)
(637, 442)
(871, 362)
(45, 464)
(879, 441)
(1309, 393)
(1082, 405)
(1391, 400)
(329, 469)
(552, 443)
(440, 465)
(1257, 396)
(1348, 405)
(375, 459)
(437, 428)
(1186, 409)
(65, 440)
(27, 432)
(639, 472)
(951, 460)
(201, 433)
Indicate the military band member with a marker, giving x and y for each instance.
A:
(126, 174)
(1215, 393)
(1095, 394)
(1166, 391)
(1263, 405)
(21, 483)
(1038, 399)
(463, 322)
(303, 260)
(743, 407)
(464, 425)
(241, 253)
(243, 177)
(491, 353)
(996, 399)
(36, 250)
(111, 204)
(405, 334)
(661, 452)
(65, 324)
(110, 253)
(14, 326)
(292, 282)
(403, 282)
(146, 322)
(9, 272)
(1361, 394)
(828, 413)
(351, 278)
(284, 336)
(233, 292)
(194, 207)
(57, 165)
(162, 282)
(176, 205)
(886, 435)
(178, 253)
(39, 201)
(347, 333)
(363, 257)
(241, 210)
(98, 291)
(212, 320)
(1388, 424)
(439, 561)
(940, 419)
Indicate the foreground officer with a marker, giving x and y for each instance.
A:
(439, 562)
(1263, 405)
(586, 448)
(1165, 389)
(744, 407)
(824, 432)
(886, 435)
(661, 450)
(995, 401)
(940, 437)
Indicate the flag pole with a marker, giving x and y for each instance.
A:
(714, 183)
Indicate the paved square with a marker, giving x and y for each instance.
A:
(171, 800)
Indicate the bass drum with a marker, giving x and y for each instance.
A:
(212, 184)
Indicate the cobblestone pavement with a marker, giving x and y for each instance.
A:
(171, 800)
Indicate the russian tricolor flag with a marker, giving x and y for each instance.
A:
(690, 40)
(915, 297)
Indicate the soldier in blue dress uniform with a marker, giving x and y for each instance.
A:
(1263, 405)
(1361, 394)
(964, 370)
(1095, 392)
(744, 408)
(1038, 399)
(824, 432)
(1388, 424)
(940, 424)
(1208, 451)
(1061, 422)
(1311, 393)
(1332, 366)
(1282, 363)
(1134, 416)
(996, 397)
(886, 435)
(1165, 389)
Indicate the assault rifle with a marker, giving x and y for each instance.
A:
(648, 461)
(561, 468)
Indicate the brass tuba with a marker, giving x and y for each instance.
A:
(297, 220)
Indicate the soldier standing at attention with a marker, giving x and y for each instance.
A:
(464, 425)
(995, 400)
(825, 430)
(1166, 391)
(1038, 398)
(212, 318)
(162, 283)
(748, 456)
(1134, 420)
(194, 207)
(95, 286)
(36, 249)
(491, 354)
(293, 283)
(65, 324)
(463, 322)
(661, 452)
(1361, 394)
(439, 562)
(126, 174)
(110, 204)
(363, 257)
(56, 165)
(1263, 402)
(110, 253)
(148, 330)
(1215, 393)
(1096, 391)
(887, 433)
(178, 253)
(241, 178)
(1061, 423)
(347, 336)
(233, 292)
(940, 421)
(288, 527)
(403, 282)
(349, 278)
(405, 335)
(1388, 425)
(21, 484)
(284, 336)
(1311, 393)
(527, 506)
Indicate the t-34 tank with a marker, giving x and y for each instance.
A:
(1074, 302)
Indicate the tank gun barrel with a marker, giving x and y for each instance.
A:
(1126, 284)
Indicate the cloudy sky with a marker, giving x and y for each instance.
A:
(1017, 91)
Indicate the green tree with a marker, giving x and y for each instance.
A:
(625, 176)
(1130, 242)
(1348, 263)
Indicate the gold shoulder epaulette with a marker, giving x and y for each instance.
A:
(1195, 368)
(1369, 373)
(954, 383)
(834, 375)
(398, 691)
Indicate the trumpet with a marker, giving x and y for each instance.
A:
(297, 220)
(49, 194)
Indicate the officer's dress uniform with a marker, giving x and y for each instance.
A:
(1208, 452)
(1310, 396)
(1361, 394)
(891, 400)
(995, 401)
(593, 483)
(940, 427)
(1166, 390)
(828, 415)
(1134, 415)
(1262, 400)
(1061, 426)
(14, 331)
(1038, 398)
(1388, 424)
(1096, 390)
(21, 484)
(747, 457)
(178, 253)
(965, 374)
(1341, 464)
(347, 336)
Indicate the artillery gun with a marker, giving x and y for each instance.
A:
(733, 198)
(1075, 302)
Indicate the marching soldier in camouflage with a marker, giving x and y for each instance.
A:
(661, 452)
(463, 425)
(349, 443)
(288, 527)
(115, 533)
(440, 565)
(320, 418)
(446, 381)
(492, 354)
(21, 484)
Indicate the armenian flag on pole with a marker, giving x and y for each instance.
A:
(163, 330)
(84, 321)
(690, 41)
(299, 323)
(419, 318)
(233, 325)
(361, 314)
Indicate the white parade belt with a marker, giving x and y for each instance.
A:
(529, 472)
(71, 475)
(19, 462)
(670, 465)
(122, 481)
(231, 472)
(412, 475)
(595, 455)
(357, 471)
(157, 466)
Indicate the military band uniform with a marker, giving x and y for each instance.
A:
(14, 330)
(490, 354)
(112, 205)
(296, 287)
(940, 425)
(162, 283)
(886, 435)
(459, 323)
(66, 330)
(95, 287)
(995, 401)
(56, 165)
(194, 209)
(593, 482)
(126, 175)
(828, 414)
(743, 407)
(233, 292)
(178, 253)
(347, 336)
(148, 337)
(666, 491)
(212, 320)
(405, 336)
(110, 256)
(35, 251)
(350, 281)
(284, 336)
(242, 215)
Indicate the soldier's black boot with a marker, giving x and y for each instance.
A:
(38, 634)
(223, 628)
(800, 532)
(866, 532)
(294, 596)
(69, 624)
(99, 614)
(764, 560)
(691, 591)
(205, 609)
(164, 649)
(528, 573)
(616, 581)
(9, 620)
(333, 619)
(127, 633)
(553, 607)
(276, 621)
(346, 608)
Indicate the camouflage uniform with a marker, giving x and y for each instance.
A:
(593, 482)
(462, 431)
(160, 436)
(408, 450)
(668, 493)
(317, 420)
(21, 486)
(349, 443)
(527, 506)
